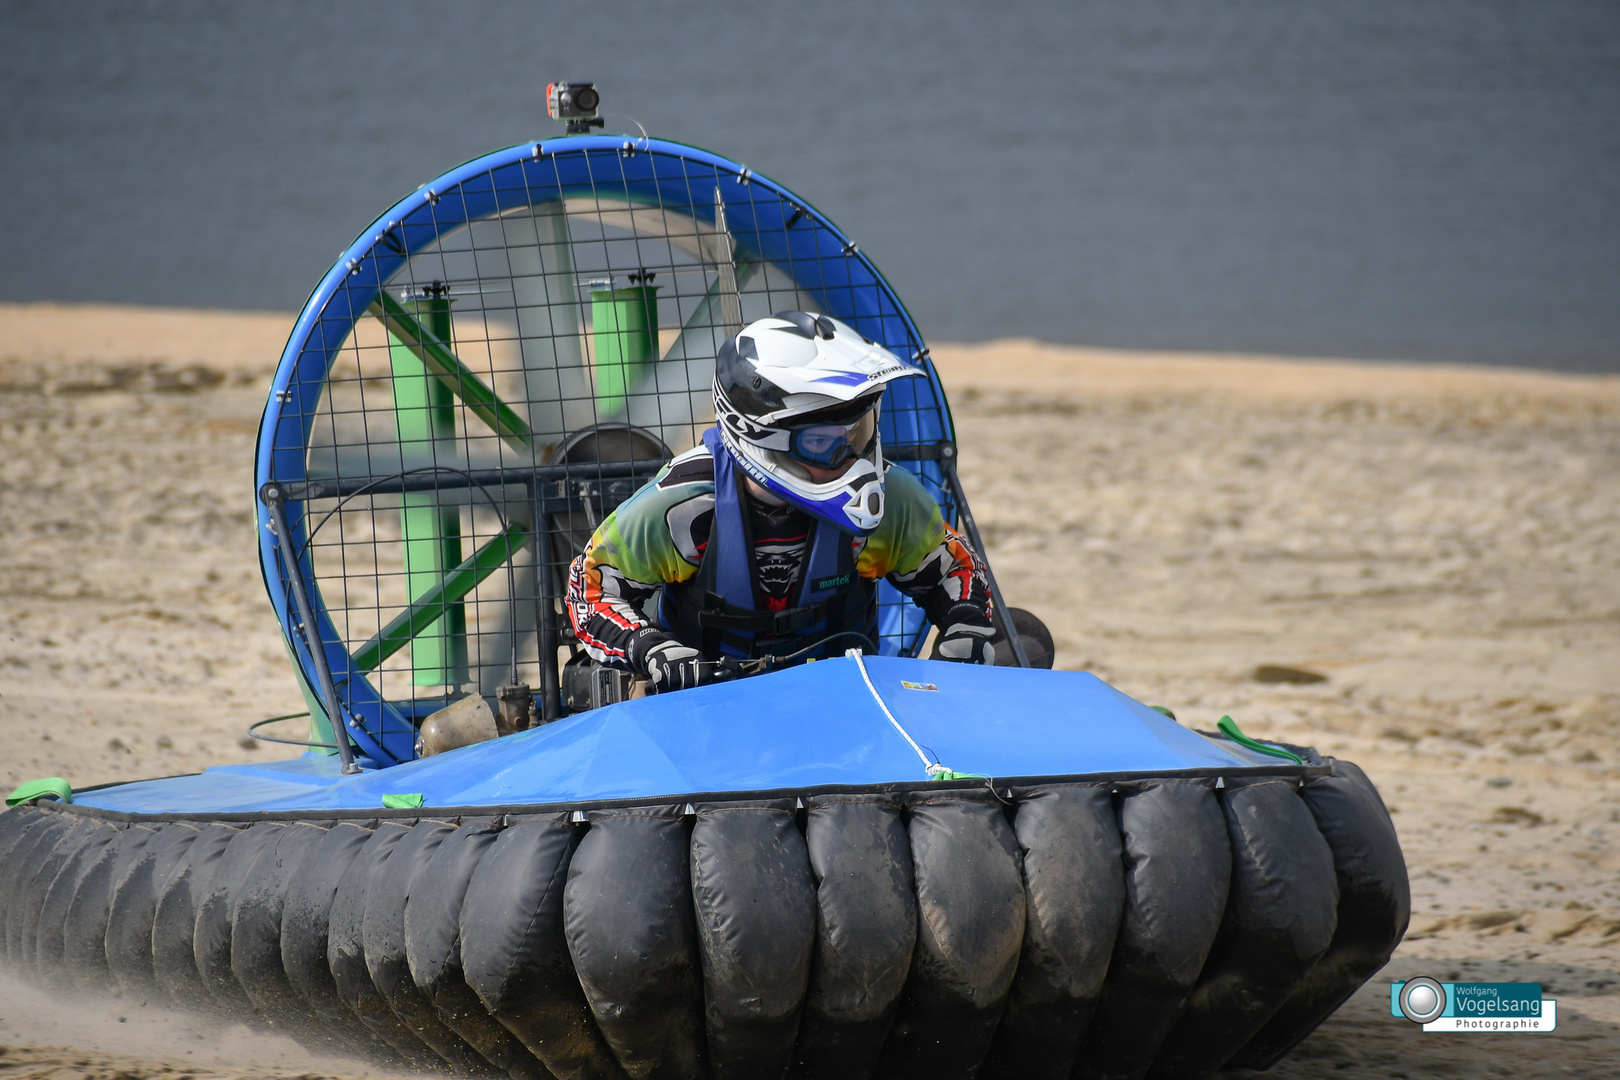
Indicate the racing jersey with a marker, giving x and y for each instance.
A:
(660, 534)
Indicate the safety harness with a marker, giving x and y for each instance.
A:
(714, 610)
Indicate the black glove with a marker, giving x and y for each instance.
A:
(964, 636)
(669, 665)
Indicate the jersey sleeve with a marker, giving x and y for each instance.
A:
(655, 537)
(925, 558)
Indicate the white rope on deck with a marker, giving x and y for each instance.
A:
(933, 768)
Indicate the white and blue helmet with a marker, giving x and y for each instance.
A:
(797, 392)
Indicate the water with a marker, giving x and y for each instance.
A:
(1435, 181)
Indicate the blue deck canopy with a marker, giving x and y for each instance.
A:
(802, 729)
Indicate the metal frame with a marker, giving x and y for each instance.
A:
(918, 433)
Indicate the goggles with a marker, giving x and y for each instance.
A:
(833, 445)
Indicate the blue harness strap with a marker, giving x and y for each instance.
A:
(730, 550)
(717, 611)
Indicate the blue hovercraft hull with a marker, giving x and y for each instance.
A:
(747, 880)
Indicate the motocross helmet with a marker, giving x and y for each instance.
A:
(797, 392)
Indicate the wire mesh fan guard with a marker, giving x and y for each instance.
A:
(423, 436)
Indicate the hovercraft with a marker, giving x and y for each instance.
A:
(494, 858)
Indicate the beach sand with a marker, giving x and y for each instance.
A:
(1443, 544)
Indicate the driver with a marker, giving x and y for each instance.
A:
(768, 538)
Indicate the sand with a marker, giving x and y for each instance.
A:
(1443, 544)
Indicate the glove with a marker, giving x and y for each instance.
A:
(672, 666)
(964, 636)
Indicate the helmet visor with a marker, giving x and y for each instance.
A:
(833, 445)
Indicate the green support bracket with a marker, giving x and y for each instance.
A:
(624, 340)
(432, 350)
(425, 418)
(408, 626)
